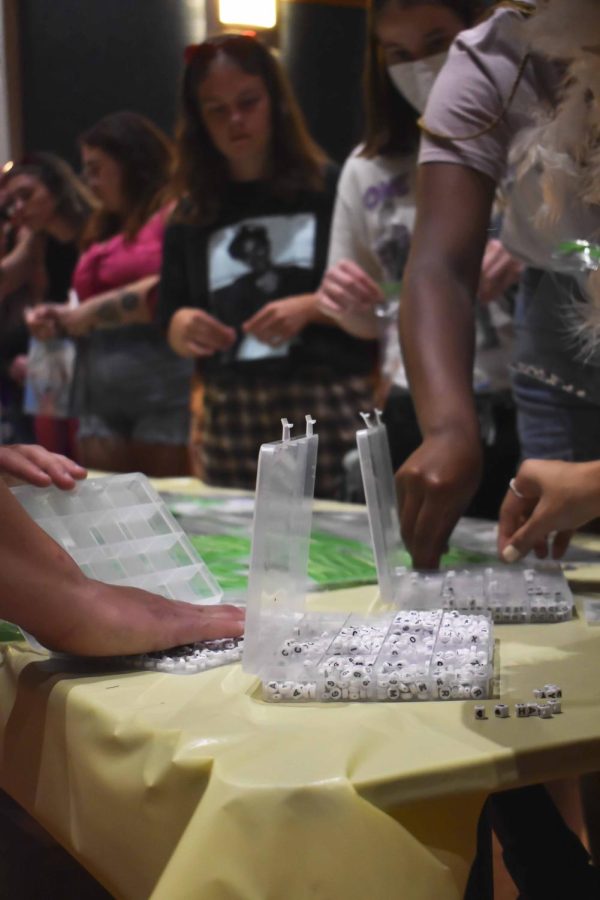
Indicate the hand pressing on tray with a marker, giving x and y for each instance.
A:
(43, 591)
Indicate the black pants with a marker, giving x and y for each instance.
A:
(544, 858)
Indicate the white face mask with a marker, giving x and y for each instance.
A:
(415, 79)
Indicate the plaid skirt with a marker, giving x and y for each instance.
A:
(240, 416)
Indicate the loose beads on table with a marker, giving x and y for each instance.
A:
(190, 658)
(547, 710)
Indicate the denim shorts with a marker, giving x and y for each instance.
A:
(555, 425)
(160, 427)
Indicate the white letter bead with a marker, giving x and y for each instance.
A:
(479, 712)
(553, 691)
(501, 710)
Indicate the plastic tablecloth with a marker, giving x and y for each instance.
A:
(172, 787)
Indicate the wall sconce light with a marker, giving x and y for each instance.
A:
(250, 13)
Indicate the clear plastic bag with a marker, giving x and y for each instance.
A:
(50, 370)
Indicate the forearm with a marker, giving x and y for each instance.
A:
(126, 306)
(40, 585)
(437, 327)
(437, 336)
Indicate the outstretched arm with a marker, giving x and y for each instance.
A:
(438, 480)
(43, 591)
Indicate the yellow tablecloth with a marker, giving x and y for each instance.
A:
(175, 787)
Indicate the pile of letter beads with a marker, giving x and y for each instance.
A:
(551, 693)
(512, 595)
(413, 655)
(190, 658)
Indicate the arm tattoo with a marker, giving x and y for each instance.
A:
(111, 311)
(108, 312)
(129, 301)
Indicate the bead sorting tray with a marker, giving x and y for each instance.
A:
(410, 656)
(512, 594)
(118, 530)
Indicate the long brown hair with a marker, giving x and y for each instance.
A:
(145, 155)
(202, 173)
(391, 122)
(74, 201)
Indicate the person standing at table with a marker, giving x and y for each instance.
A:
(242, 261)
(131, 391)
(46, 197)
(491, 89)
(371, 231)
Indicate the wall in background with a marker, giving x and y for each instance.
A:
(82, 60)
(323, 47)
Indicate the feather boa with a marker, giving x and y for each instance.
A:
(565, 148)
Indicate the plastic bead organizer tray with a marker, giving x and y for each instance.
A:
(512, 594)
(412, 655)
(118, 530)
(426, 654)
(418, 651)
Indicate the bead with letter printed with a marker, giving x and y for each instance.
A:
(501, 710)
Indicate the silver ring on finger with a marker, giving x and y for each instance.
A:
(513, 487)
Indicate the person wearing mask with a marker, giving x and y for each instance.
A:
(131, 391)
(43, 591)
(243, 258)
(373, 222)
(498, 92)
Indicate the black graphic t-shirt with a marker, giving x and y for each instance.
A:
(260, 249)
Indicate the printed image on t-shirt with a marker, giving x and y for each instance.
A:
(255, 262)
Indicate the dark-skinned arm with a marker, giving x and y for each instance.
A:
(439, 479)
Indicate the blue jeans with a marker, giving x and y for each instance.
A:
(555, 425)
